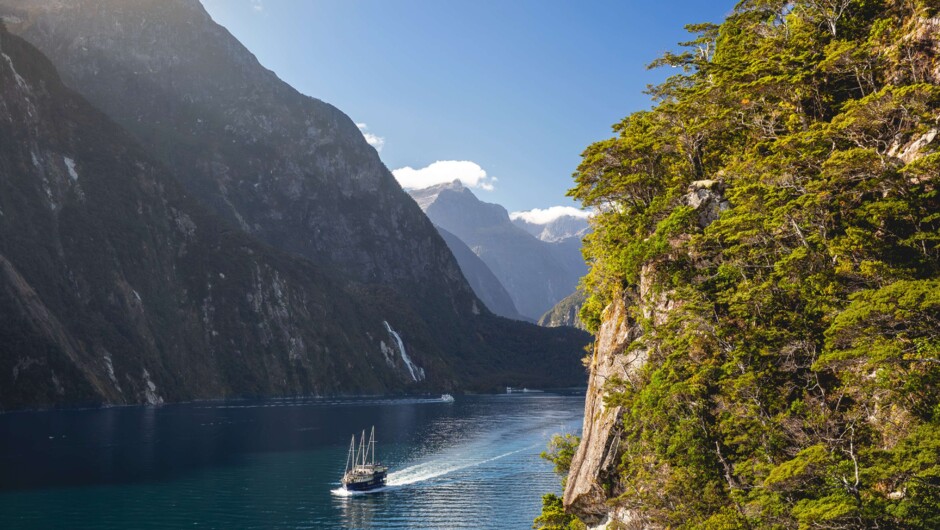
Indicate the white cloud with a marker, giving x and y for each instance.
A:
(376, 141)
(539, 216)
(257, 5)
(467, 172)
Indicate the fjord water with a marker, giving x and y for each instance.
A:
(472, 463)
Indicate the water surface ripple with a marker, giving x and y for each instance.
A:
(276, 463)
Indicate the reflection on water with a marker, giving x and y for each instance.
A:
(277, 463)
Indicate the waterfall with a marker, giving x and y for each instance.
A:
(417, 373)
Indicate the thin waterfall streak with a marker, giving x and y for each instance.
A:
(417, 373)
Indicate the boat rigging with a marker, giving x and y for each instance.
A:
(362, 472)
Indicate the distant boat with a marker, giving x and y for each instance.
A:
(511, 390)
(447, 398)
(362, 472)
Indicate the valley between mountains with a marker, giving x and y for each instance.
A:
(178, 223)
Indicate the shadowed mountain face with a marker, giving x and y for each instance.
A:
(484, 283)
(537, 274)
(116, 285)
(292, 170)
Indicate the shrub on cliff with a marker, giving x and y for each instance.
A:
(794, 384)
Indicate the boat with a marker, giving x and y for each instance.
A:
(447, 398)
(362, 472)
(511, 390)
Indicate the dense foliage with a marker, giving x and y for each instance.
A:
(794, 381)
(561, 449)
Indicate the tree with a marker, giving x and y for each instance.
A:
(794, 383)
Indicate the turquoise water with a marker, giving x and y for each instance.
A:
(277, 463)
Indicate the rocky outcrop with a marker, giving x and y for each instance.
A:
(921, 48)
(911, 150)
(618, 354)
(593, 479)
(594, 467)
(706, 197)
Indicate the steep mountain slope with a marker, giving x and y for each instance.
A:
(565, 312)
(115, 287)
(536, 274)
(484, 283)
(290, 169)
(282, 167)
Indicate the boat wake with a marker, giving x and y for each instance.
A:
(425, 471)
(436, 468)
(343, 492)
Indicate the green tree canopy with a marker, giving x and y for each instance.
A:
(794, 384)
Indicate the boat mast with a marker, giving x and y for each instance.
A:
(372, 443)
(350, 458)
(362, 446)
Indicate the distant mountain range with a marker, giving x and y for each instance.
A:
(537, 273)
(553, 230)
(211, 232)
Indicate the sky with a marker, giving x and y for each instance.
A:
(502, 94)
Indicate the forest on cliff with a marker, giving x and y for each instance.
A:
(792, 338)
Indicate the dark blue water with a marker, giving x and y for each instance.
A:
(277, 463)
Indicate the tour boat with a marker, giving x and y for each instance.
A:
(447, 398)
(362, 473)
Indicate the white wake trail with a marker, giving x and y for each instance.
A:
(425, 471)
(437, 468)
(342, 492)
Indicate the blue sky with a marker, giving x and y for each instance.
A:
(514, 88)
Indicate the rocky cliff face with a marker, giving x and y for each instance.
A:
(619, 352)
(116, 287)
(594, 466)
(292, 173)
(292, 170)
(537, 274)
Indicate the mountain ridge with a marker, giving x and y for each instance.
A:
(537, 274)
(440, 321)
(160, 318)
